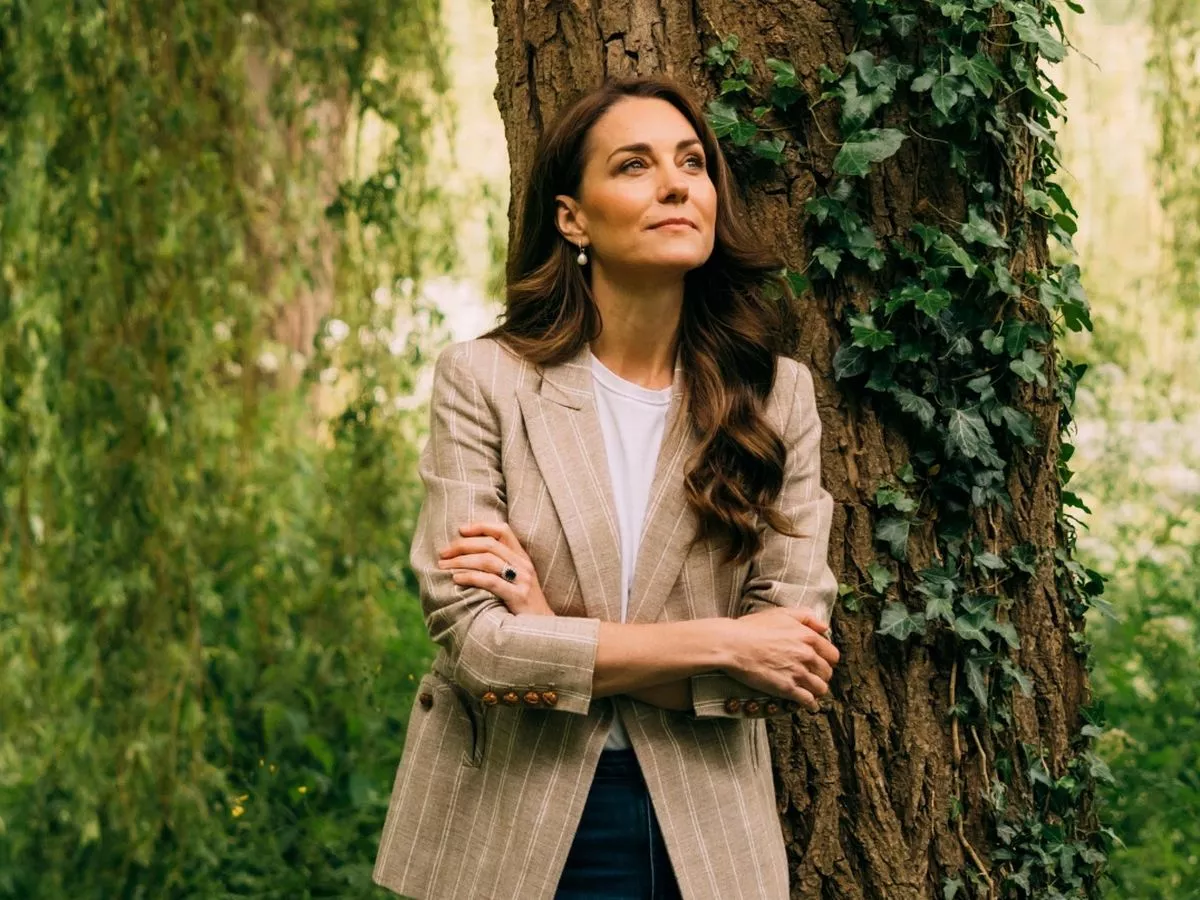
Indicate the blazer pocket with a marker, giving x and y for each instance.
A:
(472, 723)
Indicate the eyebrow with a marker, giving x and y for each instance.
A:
(645, 148)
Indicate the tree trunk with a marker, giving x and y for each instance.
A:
(870, 794)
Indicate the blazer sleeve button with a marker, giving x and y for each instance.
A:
(772, 708)
(549, 698)
(533, 698)
(426, 700)
(490, 698)
(511, 698)
(751, 707)
(732, 705)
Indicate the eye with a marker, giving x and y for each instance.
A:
(698, 158)
(628, 163)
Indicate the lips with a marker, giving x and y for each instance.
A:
(687, 222)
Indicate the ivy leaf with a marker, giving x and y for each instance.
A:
(784, 72)
(829, 258)
(916, 405)
(898, 500)
(865, 333)
(1006, 630)
(903, 24)
(896, 621)
(798, 282)
(1013, 671)
(983, 73)
(1031, 32)
(733, 86)
(945, 93)
(1024, 558)
(881, 578)
(970, 628)
(933, 302)
(1019, 425)
(1029, 367)
(722, 117)
(924, 81)
(949, 247)
(989, 560)
(849, 361)
(786, 88)
(979, 230)
(893, 531)
(951, 887)
(940, 608)
(772, 149)
(872, 145)
(967, 433)
(976, 680)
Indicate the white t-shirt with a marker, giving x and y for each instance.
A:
(632, 419)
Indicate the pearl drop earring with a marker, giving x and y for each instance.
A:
(582, 257)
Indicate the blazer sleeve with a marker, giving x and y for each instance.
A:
(490, 648)
(788, 571)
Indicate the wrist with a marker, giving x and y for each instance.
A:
(722, 639)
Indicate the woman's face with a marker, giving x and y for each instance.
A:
(644, 165)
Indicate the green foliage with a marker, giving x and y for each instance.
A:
(953, 344)
(1150, 687)
(1175, 30)
(207, 628)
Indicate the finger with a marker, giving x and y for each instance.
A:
(498, 530)
(818, 669)
(504, 591)
(804, 698)
(483, 562)
(817, 686)
(482, 545)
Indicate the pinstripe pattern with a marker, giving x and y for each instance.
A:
(486, 799)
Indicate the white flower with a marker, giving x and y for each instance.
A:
(268, 362)
(337, 329)
(232, 369)
(221, 331)
(366, 337)
(380, 395)
(329, 376)
(382, 297)
(397, 345)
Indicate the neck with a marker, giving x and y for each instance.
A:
(641, 323)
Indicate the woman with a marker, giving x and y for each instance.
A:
(622, 549)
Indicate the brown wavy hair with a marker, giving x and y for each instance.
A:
(731, 326)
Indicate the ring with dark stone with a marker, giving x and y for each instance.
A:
(509, 574)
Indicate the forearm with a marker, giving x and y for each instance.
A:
(676, 695)
(633, 657)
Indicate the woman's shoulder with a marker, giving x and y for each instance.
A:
(482, 367)
(484, 358)
(793, 383)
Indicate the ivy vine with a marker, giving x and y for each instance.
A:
(951, 346)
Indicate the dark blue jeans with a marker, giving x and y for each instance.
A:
(618, 852)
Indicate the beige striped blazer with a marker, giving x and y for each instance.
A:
(504, 734)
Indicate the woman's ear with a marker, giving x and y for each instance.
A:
(569, 218)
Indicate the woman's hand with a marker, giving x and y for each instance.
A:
(783, 652)
(479, 559)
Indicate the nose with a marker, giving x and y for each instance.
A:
(672, 186)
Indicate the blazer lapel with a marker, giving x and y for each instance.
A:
(670, 523)
(568, 447)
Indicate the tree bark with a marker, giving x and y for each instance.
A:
(865, 791)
